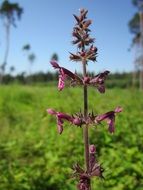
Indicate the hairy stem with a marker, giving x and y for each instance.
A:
(85, 129)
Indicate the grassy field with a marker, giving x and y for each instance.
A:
(33, 156)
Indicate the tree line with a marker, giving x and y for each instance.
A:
(119, 80)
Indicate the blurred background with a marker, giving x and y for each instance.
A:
(33, 156)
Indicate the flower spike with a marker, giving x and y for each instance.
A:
(86, 52)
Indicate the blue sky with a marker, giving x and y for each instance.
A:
(47, 26)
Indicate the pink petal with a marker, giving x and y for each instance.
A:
(118, 109)
(64, 116)
(59, 125)
(55, 64)
(51, 111)
(61, 84)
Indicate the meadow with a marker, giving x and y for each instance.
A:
(33, 156)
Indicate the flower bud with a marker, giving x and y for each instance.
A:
(77, 121)
(92, 149)
(86, 80)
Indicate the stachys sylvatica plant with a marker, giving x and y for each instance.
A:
(86, 52)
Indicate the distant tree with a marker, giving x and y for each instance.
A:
(136, 28)
(31, 58)
(26, 47)
(12, 69)
(9, 12)
(134, 24)
(55, 57)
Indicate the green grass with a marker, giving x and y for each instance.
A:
(33, 156)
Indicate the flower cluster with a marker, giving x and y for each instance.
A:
(79, 119)
(86, 51)
(89, 55)
(82, 39)
(83, 176)
(98, 81)
(75, 120)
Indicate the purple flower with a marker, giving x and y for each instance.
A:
(61, 83)
(84, 183)
(63, 74)
(86, 80)
(97, 170)
(110, 118)
(82, 177)
(95, 167)
(92, 149)
(77, 120)
(55, 64)
(99, 81)
(60, 119)
(92, 159)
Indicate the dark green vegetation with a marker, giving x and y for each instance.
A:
(33, 156)
(119, 80)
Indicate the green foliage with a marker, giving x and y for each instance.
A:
(26, 47)
(135, 2)
(118, 80)
(33, 156)
(134, 24)
(10, 11)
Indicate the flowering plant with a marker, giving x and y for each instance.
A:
(86, 52)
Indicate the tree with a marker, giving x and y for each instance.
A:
(9, 12)
(31, 58)
(26, 47)
(12, 69)
(134, 24)
(55, 57)
(136, 27)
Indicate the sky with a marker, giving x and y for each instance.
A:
(47, 26)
